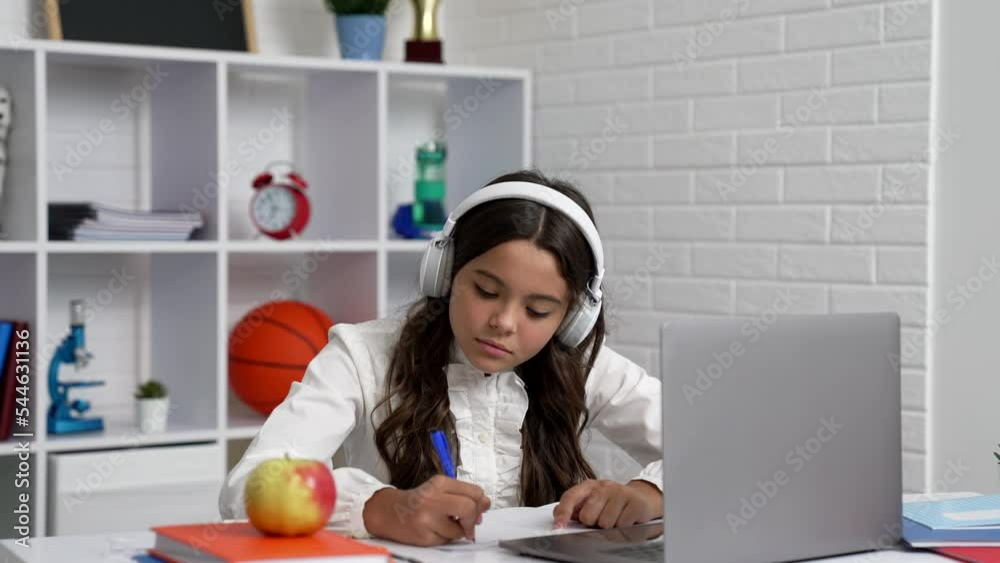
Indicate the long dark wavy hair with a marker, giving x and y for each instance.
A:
(416, 399)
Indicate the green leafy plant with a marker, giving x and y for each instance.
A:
(151, 389)
(354, 7)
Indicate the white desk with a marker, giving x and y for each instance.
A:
(119, 548)
(507, 522)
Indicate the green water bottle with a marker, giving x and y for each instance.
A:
(428, 204)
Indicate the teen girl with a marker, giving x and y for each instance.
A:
(505, 352)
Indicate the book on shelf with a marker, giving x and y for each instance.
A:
(8, 381)
(94, 221)
(6, 335)
(6, 332)
(237, 541)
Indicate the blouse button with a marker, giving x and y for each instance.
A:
(483, 437)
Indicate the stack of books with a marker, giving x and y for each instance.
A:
(92, 221)
(964, 526)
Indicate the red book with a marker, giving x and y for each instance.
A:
(232, 542)
(971, 554)
(8, 394)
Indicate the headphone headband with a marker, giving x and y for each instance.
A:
(547, 197)
(583, 313)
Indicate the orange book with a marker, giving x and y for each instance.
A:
(232, 542)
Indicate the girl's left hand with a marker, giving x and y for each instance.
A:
(608, 504)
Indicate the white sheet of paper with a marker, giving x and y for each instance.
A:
(512, 523)
(498, 524)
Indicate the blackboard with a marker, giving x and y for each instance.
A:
(205, 24)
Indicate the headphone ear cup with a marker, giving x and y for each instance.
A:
(435, 269)
(579, 321)
(444, 277)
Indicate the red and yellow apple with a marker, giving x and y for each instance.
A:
(289, 497)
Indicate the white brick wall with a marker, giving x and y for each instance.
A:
(781, 137)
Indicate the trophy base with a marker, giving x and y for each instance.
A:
(423, 51)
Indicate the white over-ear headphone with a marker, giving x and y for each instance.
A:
(435, 268)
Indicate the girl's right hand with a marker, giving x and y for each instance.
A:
(439, 511)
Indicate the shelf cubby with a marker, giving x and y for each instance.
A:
(479, 117)
(146, 316)
(134, 132)
(341, 284)
(321, 122)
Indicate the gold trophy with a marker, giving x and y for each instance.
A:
(425, 45)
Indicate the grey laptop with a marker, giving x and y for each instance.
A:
(781, 440)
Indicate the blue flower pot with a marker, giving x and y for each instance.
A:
(361, 36)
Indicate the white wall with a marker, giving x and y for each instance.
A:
(658, 107)
(831, 211)
(965, 299)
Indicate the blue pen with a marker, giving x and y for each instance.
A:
(444, 452)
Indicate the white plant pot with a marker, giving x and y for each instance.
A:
(151, 415)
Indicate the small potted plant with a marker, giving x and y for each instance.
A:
(151, 406)
(360, 27)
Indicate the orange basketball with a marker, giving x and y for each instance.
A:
(270, 347)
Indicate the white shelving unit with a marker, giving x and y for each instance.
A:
(161, 128)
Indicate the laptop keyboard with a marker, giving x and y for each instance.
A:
(640, 552)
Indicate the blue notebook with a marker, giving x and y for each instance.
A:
(967, 512)
(919, 535)
(6, 331)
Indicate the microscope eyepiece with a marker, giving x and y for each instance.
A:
(76, 314)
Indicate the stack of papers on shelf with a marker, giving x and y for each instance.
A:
(92, 221)
(972, 520)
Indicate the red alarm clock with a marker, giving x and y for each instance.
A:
(279, 207)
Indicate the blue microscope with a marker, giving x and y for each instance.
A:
(61, 419)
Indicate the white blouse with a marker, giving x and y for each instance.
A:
(331, 409)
